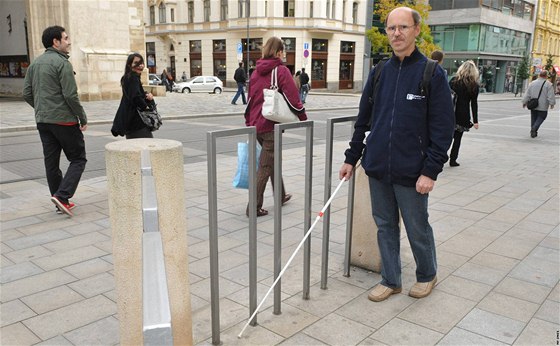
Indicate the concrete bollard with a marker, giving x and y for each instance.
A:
(125, 207)
(365, 251)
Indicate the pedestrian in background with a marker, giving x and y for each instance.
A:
(165, 79)
(184, 76)
(50, 88)
(272, 54)
(404, 153)
(127, 121)
(240, 77)
(304, 85)
(297, 80)
(465, 86)
(437, 55)
(546, 100)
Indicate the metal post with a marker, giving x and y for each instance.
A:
(247, 14)
(213, 224)
(278, 130)
(327, 194)
(367, 43)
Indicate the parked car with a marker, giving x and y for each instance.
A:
(209, 84)
(154, 79)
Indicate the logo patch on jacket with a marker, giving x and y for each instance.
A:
(415, 97)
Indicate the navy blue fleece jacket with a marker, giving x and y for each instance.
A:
(410, 132)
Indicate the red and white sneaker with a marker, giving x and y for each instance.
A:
(63, 207)
(71, 206)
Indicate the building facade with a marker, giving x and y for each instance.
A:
(102, 34)
(211, 37)
(547, 35)
(495, 34)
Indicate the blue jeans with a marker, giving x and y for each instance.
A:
(303, 93)
(387, 200)
(537, 118)
(241, 92)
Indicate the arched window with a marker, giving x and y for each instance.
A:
(162, 13)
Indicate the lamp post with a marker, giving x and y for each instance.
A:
(247, 13)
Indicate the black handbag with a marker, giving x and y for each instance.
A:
(534, 102)
(150, 116)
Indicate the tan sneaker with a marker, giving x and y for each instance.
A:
(381, 292)
(422, 289)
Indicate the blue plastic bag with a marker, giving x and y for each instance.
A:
(241, 179)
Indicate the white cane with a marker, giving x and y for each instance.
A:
(319, 216)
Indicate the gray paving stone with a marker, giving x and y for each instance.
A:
(549, 311)
(14, 311)
(4, 261)
(523, 290)
(251, 336)
(491, 325)
(371, 342)
(545, 254)
(52, 299)
(301, 339)
(494, 261)
(511, 247)
(538, 332)
(89, 268)
(458, 336)
(291, 321)
(56, 341)
(450, 260)
(480, 273)
(202, 288)
(18, 271)
(27, 254)
(76, 242)
(17, 334)
(231, 314)
(15, 223)
(33, 284)
(439, 311)
(520, 310)
(240, 274)
(37, 239)
(102, 332)
(464, 288)
(71, 317)
(341, 330)
(400, 332)
(537, 271)
(551, 243)
(94, 285)
(555, 294)
(63, 259)
(48, 226)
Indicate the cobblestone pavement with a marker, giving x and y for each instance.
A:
(495, 220)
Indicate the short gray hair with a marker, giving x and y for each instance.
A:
(416, 17)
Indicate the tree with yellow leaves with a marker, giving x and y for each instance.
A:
(379, 40)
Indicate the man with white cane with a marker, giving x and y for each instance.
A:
(411, 123)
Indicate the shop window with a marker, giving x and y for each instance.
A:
(289, 44)
(219, 45)
(195, 46)
(320, 45)
(347, 47)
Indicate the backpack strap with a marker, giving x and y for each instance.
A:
(376, 76)
(427, 78)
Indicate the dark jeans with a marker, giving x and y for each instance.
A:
(537, 118)
(241, 92)
(70, 139)
(457, 136)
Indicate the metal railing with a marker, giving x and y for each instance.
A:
(278, 131)
(213, 224)
(327, 194)
(156, 310)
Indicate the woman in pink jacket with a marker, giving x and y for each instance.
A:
(272, 54)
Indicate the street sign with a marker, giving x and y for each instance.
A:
(306, 53)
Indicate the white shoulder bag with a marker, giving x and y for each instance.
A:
(275, 107)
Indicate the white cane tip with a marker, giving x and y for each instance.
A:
(239, 336)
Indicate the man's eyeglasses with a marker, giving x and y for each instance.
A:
(138, 64)
(402, 28)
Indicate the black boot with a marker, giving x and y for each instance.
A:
(454, 163)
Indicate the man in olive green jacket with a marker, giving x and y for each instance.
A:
(50, 88)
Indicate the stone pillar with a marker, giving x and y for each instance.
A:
(125, 207)
(365, 251)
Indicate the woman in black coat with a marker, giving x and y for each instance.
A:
(465, 86)
(127, 121)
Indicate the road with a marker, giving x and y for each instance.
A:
(22, 157)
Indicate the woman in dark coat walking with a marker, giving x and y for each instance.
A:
(127, 121)
(465, 85)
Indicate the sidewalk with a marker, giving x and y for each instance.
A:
(495, 220)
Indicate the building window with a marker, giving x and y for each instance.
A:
(224, 10)
(528, 12)
(289, 8)
(172, 15)
(333, 7)
(152, 15)
(206, 10)
(355, 13)
(320, 45)
(195, 46)
(311, 9)
(347, 47)
(243, 5)
(162, 13)
(289, 44)
(219, 46)
(328, 9)
(190, 12)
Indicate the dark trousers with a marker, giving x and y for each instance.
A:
(457, 136)
(537, 118)
(266, 166)
(240, 91)
(141, 133)
(70, 139)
